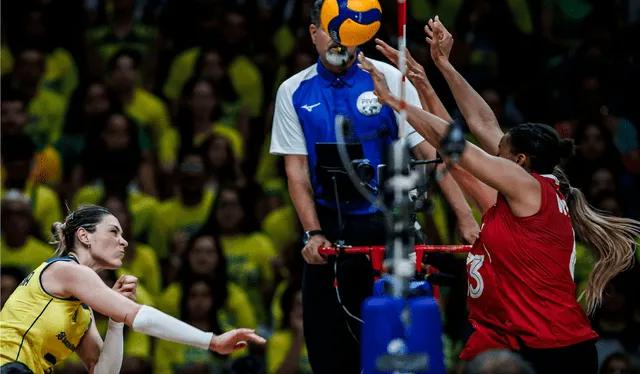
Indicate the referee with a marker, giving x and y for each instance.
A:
(306, 106)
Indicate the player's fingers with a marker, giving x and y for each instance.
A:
(130, 279)
(429, 40)
(119, 282)
(128, 288)
(239, 345)
(429, 28)
(255, 338)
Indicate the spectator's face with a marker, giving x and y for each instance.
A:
(8, 284)
(16, 218)
(602, 181)
(617, 366)
(192, 173)
(230, 212)
(200, 300)
(611, 205)
(235, 28)
(212, 66)
(29, 67)
(123, 77)
(14, 117)
(96, 102)
(203, 99)
(592, 145)
(116, 134)
(204, 257)
(328, 49)
(218, 152)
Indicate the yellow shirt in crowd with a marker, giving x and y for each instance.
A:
(243, 73)
(28, 257)
(172, 216)
(151, 114)
(277, 348)
(46, 118)
(249, 264)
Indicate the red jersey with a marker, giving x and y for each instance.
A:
(521, 278)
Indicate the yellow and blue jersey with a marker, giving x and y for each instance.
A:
(39, 329)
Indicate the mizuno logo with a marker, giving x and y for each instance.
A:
(309, 108)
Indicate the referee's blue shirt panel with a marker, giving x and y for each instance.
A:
(308, 103)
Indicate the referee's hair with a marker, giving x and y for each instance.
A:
(315, 12)
(15, 368)
(499, 361)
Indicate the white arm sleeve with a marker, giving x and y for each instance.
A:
(287, 137)
(110, 359)
(153, 322)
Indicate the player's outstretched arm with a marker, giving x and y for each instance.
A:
(481, 196)
(479, 116)
(507, 177)
(84, 284)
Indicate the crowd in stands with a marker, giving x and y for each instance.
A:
(161, 111)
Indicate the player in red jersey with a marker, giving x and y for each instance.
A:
(521, 290)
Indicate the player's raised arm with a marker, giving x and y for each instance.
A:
(481, 196)
(506, 176)
(480, 118)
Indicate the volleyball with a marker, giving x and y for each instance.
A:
(351, 22)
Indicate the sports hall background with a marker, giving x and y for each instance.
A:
(101, 104)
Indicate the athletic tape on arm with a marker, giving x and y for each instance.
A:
(110, 360)
(153, 322)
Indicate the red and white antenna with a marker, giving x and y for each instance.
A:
(402, 64)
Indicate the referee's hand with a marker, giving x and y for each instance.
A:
(310, 251)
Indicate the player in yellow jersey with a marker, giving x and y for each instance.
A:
(49, 316)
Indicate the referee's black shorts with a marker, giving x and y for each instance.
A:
(330, 334)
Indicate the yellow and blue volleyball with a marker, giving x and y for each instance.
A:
(351, 22)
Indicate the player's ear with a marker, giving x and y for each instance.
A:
(521, 159)
(83, 236)
(313, 30)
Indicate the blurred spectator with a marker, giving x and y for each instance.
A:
(147, 110)
(617, 363)
(121, 31)
(286, 350)
(248, 250)
(212, 62)
(220, 162)
(499, 361)
(201, 113)
(10, 278)
(17, 158)
(203, 260)
(45, 108)
(47, 168)
(178, 217)
(19, 247)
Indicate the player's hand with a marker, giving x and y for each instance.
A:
(415, 71)
(381, 89)
(127, 286)
(234, 340)
(310, 251)
(440, 40)
(469, 230)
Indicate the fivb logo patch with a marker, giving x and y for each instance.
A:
(368, 104)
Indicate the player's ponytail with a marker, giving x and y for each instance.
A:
(64, 234)
(613, 238)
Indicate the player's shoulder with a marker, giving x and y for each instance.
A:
(292, 83)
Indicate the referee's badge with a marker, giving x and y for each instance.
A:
(368, 104)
